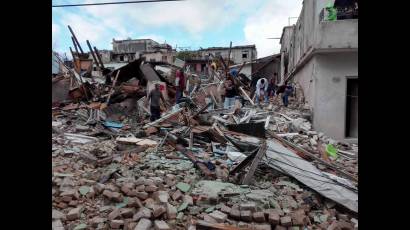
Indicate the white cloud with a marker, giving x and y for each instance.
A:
(268, 22)
(196, 18)
(55, 33)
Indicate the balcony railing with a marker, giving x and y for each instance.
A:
(341, 13)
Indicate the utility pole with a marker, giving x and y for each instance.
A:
(289, 20)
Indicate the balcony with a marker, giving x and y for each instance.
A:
(338, 34)
(341, 13)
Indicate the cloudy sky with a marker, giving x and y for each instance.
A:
(190, 23)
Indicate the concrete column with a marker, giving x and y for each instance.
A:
(282, 68)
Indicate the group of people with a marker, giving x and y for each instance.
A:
(266, 90)
(261, 89)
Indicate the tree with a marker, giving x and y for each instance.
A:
(183, 55)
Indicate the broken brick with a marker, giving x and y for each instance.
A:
(235, 214)
(246, 215)
(171, 211)
(158, 210)
(142, 213)
(73, 203)
(114, 214)
(74, 213)
(209, 219)
(134, 202)
(140, 181)
(225, 209)
(142, 195)
(151, 188)
(273, 218)
(96, 221)
(116, 224)
(188, 199)
(127, 212)
(262, 227)
(251, 206)
(286, 221)
(299, 218)
(177, 195)
(62, 205)
(219, 216)
(161, 196)
(126, 188)
(259, 217)
(161, 225)
(140, 188)
(116, 197)
(143, 224)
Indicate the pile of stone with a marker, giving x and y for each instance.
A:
(100, 183)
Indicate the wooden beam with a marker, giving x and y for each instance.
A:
(246, 95)
(267, 122)
(92, 53)
(162, 118)
(262, 150)
(229, 59)
(75, 39)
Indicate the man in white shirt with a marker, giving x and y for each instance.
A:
(261, 90)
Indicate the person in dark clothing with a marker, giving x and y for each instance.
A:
(272, 86)
(154, 97)
(281, 89)
(230, 94)
(179, 84)
(288, 91)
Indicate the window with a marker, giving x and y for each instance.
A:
(164, 58)
(352, 107)
(245, 54)
(121, 58)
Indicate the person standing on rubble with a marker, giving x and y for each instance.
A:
(230, 94)
(179, 85)
(288, 91)
(154, 97)
(272, 86)
(261, 90)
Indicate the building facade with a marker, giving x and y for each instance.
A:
(320, 56)
(239, 54)
(132, 49)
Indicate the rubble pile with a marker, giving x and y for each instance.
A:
(196, 167)
(114, 180)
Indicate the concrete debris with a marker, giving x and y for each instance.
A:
(115, 169)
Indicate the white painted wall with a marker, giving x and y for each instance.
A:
(329, 111)
(305, 78)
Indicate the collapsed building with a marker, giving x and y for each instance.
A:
(199, 166)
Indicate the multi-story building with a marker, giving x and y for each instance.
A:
(131, 49)
(239, 54)
(321, 57)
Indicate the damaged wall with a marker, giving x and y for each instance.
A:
(60, 90)
(323, 81)
(330, 94)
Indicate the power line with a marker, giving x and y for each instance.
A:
(114, 3)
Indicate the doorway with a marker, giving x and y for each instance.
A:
(352, 96)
